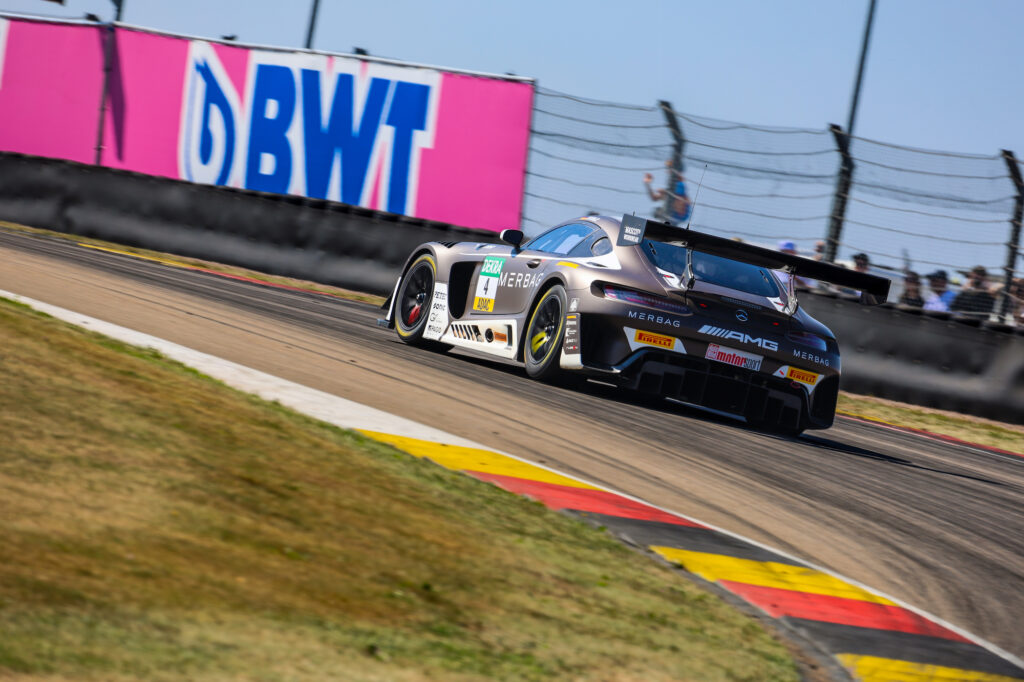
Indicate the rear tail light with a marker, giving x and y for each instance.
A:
(648, 300)
(808, 339)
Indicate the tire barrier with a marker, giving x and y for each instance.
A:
(922, 358)
(292, 236)
(926, 358)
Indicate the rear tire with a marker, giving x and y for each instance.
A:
(542, 344)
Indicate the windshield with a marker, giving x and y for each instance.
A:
(713, 269)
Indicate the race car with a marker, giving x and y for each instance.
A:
(641, 304)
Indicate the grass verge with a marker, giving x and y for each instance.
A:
(964, 427)
(158, 525)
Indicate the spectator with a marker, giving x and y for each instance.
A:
(861, 262)
(679, 206)
(1016, 307)
(974, 299)
(819, 250)
(941, 297)
(911, 295)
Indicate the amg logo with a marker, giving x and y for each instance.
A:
(767, 344)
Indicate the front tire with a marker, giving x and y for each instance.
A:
(542, 346)
(412, 305)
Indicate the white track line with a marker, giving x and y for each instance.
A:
(352, 415)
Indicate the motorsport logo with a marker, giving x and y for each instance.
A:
(710, 330)
(487, 284)
(736, 358)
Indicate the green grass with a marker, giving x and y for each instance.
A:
(972, 429)
(158, 525)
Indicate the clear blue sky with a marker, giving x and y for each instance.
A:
(941, 74)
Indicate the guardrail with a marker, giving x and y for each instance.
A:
(922, 358)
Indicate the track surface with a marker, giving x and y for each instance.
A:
(938, 525)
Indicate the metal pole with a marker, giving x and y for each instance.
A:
(677, 151)
(845, 179)
(860, 68)
(108, 48)
(843, 183)
(312, 24)
(1013, 244)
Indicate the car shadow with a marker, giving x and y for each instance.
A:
(831, 445)
(612, 393)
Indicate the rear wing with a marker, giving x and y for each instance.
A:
(874, 289)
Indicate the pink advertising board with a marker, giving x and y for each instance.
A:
(432, 144)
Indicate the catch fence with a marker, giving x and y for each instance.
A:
(909, 210)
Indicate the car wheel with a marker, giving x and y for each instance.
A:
(543, 340)
(412, 305)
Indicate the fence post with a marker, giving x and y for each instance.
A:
(843, 182)
(1013, 244)
(108, 49)
(678, 141)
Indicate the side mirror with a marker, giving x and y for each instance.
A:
(513, 237)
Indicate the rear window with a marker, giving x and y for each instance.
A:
(713, 269)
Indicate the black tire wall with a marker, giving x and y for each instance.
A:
(292, 236)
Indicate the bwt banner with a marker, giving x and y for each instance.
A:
(432, 144)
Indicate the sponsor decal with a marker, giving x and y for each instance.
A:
(656, 318)
(803, 376)
(438, 319)
(519, 280)
(492, 266)
(574, 305)
(326, 128)
(632, 232)
(501, 337)
(639, 339)
(723, 333)
(487, 284)
(652, 339)
(731, 356)
(804, 355)
(571, 342)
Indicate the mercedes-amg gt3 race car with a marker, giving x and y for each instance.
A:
(645, 305)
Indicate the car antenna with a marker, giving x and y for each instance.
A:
(696, 194)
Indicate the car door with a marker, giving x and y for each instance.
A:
(506, 285)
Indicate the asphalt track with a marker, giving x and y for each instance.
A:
(937, 525)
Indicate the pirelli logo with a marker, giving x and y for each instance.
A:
(803, 376)
(723, 333)
(652, 339)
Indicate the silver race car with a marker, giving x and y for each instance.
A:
(642, 304)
